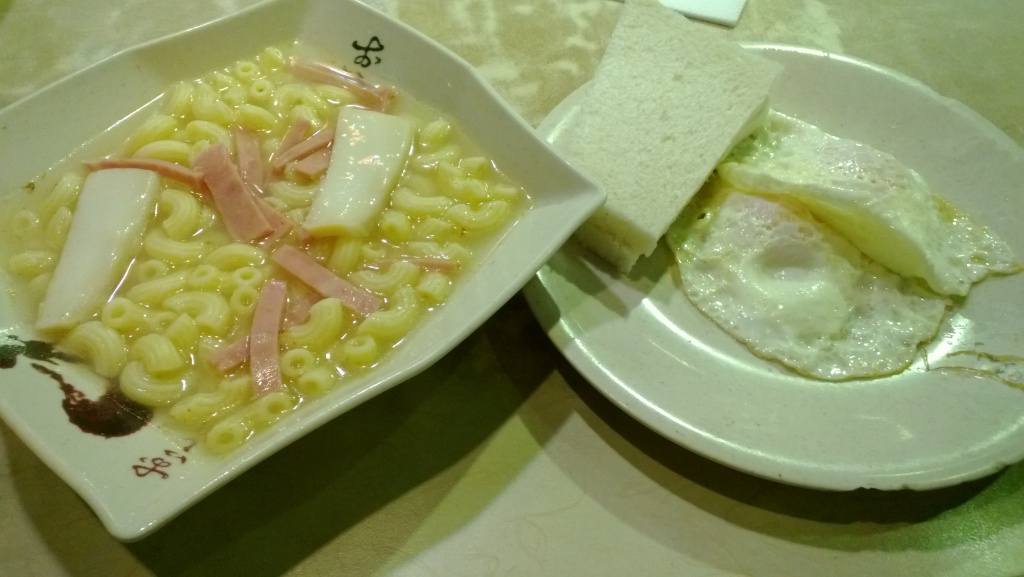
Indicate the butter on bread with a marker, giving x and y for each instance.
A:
(669, 99)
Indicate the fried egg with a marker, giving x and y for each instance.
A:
(881, 206)
(792, 289)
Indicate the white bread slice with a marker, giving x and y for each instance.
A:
(668, 100)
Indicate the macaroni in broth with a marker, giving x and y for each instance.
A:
(183, 323)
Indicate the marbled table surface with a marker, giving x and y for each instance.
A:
(502, 460)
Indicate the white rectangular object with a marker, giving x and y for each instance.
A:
(724, 12)
(652, 129)
(369, 152)
(114, 207)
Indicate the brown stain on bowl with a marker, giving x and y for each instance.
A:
(111, 415)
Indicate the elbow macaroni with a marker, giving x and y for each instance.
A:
(246, 276)
(323, 327)
(170, 150)
(58, 227)
(246, 70)
(228, 434)
(271, 59)
(434, 287)
(150, 270)
(234, 256)
(63, 194)
(414, 204)
(386, 282)
(158, 354)
(488, 216)
(293, 195)
(206, 105)
(243, 299)
(179, 100)
(183, 332)
(261, 92)
(427, 160)
(431, 228)
(191, 290)
(160, 246)
(198, 409)
(140, 386)
(210, 311)
(123, 315)
(346, 254)
(395, 226)
(31, 263)
(234, 429)
(434, 133)
(317, 381)
(360, 350)
(184, 213)
(255, 118)
(212, 132)
(24, 223)
(295, 362)
(396, 321)
(206, 277)
(157, 127)
(99, 344)
(336, 95)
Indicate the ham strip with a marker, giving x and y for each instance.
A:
(250, 168)
(305, 268)
(229, 357)
(242, 215)
(296, 134)
(191, 178)
(263, 345)
(280, 224)
(322, 139)
(250, 165)
(315, 165)
(377, 96)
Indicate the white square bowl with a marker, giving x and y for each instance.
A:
(82, 116)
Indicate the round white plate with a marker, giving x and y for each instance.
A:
(641, 343)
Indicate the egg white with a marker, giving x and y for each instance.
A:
(793, 290)
(881, 206)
